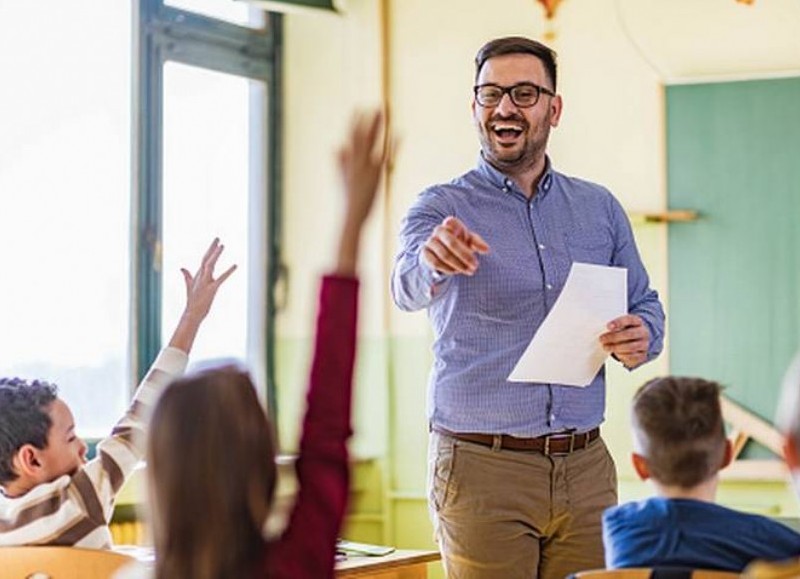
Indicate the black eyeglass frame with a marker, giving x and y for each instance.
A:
(509, 91)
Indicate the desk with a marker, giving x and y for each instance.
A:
(398, 565)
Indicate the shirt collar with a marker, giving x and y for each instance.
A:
(505, 184)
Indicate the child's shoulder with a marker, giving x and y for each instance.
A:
(658, 507)
(649, 508)
(36, 494)
(692, 512)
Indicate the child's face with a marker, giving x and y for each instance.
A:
(65, 451)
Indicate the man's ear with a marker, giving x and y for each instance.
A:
(556, 106)
(728, 456)
(27, 462)
(640, 466)
(791, 453)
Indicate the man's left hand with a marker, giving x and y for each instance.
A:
(628, 340)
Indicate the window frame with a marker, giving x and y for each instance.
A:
(167, 34)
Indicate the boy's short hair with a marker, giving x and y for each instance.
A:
(23, 419)
(678, 427)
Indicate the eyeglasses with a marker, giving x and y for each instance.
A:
(523, 94)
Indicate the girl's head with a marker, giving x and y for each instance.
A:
(211, 469)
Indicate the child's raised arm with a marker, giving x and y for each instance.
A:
(201, 289)
(361, 162)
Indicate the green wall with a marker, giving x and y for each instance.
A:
(733, 151)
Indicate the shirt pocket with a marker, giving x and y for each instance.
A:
(596, 247)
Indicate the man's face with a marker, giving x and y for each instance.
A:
(515, 138)
(65, 451)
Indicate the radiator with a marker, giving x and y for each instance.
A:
(128, 533)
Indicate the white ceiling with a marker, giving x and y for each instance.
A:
(686, 40)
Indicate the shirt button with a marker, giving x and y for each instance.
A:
(541, 246)
(552, 418)
(549, 286)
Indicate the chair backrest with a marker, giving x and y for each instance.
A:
(59, 563)
(654, 573)
(613, 573)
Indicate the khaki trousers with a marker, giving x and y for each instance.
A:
(505, 514)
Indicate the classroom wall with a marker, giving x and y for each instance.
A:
(615, 57)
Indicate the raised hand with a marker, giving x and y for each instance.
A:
(362, 159)
(201, 289)
(452, 248)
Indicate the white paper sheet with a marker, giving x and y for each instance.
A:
(566, 349)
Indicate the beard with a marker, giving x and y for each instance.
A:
(525, 150)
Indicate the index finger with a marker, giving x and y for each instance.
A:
(477, 243)
(211, 257)
(472, 240)
(453, 242)
(211, 249)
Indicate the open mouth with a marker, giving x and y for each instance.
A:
(506, 132)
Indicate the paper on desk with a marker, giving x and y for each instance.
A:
(565, 348)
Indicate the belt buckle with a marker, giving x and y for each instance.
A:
(570, 449)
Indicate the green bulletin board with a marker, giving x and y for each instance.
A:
(734, 274)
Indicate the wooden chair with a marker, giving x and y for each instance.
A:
(59, 563)
(655, 573)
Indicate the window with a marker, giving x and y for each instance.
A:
(231, 11)
(205, 195)
(206, 139)
(92, 236)
(64, 202)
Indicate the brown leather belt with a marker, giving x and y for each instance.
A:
(559, 443)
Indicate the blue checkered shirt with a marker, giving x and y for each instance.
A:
(483, 323)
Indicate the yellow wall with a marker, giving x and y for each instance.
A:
(615, 57)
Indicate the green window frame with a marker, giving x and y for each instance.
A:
(166, 34)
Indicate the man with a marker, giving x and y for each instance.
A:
(518, 474)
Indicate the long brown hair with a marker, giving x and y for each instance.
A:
(211, 464)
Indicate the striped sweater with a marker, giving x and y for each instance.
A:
(75, 510)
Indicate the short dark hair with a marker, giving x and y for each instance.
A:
(23, 419)
(679, 427)
(517, 45)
